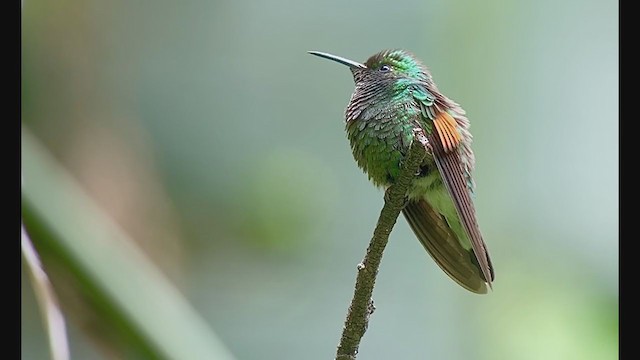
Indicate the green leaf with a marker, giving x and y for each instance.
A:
(135, 296)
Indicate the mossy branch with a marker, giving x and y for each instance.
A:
(362, 306)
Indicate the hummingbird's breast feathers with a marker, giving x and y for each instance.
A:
(386, 112)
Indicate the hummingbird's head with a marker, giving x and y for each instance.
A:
(388, 66)
(398, 64)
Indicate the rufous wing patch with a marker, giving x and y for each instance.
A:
(447, 131)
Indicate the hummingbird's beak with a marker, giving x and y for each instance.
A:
(338, 59)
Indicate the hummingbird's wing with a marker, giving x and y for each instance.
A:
(444, 142)
(441, 243)
(471, 268)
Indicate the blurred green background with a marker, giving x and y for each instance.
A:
(208, 133)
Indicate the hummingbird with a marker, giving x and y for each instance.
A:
(395, 94)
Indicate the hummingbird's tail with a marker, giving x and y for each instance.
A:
(441, 243)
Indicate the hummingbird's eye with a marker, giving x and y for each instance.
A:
(385, 68)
